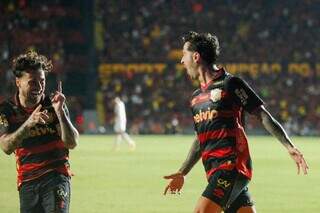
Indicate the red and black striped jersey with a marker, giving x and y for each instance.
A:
(217, 110)
(43, 150)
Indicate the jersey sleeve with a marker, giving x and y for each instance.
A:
(243, 95)
(4, 124)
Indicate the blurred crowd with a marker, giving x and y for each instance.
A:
(141, 31)
(258, 31)
(52, 28)
(249, 32)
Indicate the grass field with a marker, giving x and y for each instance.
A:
(131, 182)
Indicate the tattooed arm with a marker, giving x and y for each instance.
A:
(177, 179)
(69, 133)
(273, 126)
(192, 158)
(9, 142)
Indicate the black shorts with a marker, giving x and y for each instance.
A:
(229, 190)
(50, 193)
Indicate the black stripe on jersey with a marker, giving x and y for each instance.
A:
(215, 162)
(39, 140)
(43, 156)
(216, 124)
(221, 105)
(218, 144)
(53, 165)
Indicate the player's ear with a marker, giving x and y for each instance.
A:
(18, 82)
(196, 57)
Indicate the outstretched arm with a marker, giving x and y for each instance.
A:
(274, 127)
(192, 158)
(177, 179)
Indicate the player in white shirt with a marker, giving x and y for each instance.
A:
(120, 122)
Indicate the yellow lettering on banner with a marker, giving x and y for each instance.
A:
(276, 67)
(265, 68)
(106, 69)
(160, 67)
(232, 68)
(305, 69)
(243, 68)
(254, 69)
(130, 67)
(301, 69)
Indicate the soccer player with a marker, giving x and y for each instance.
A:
(120, 122)
(37, 129)
(221, 142)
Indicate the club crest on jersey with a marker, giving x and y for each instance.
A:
(215, 95)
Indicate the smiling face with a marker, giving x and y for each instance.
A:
(31, 86)
(189, 61)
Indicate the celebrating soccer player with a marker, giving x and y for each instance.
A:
(38, 130)
(221, 142)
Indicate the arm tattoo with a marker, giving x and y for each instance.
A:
(69, 134)
(9, 142)
(192, 158)
(274, 127)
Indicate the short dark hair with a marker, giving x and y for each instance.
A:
(29, 62)
(206, 44)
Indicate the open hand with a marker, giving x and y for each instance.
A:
(175, 184)
(297, 156)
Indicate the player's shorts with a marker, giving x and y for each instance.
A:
(229, 190)
(119, 127)
(50, 193)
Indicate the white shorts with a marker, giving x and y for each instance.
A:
(119, 127)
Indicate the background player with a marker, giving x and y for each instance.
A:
(120, 122)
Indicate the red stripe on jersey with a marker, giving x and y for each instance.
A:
(243, 154)
(206, 96)
(34, 166)
(38, 149)
(225, 166)
(223, 152)
(62, 169)
(203, 97)
(216, 134)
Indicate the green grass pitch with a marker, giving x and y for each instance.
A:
(131, 182)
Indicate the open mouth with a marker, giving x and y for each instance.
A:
(35, 93)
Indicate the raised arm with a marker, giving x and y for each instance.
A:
(69, 133)
(177, 178)
(274, 127)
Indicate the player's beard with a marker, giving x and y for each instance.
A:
(34, 97)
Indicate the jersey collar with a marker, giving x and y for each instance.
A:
(217, 74)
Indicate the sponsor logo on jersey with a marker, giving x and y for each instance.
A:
(39, 131)
(206, 115)
(223, 183)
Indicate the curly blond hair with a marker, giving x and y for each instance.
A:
(29, 62)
